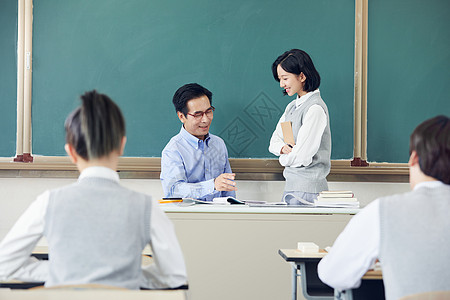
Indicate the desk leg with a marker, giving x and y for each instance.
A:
(295, 274)
(344, 295)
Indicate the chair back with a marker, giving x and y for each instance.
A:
(438, 295)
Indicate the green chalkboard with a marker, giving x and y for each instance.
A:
(409, 72)
(139, 52)
(8, 77)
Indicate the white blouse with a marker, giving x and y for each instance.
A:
(308, 137)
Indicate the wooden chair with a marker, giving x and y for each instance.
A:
(87, 286)
(438, 295)
(91, 293)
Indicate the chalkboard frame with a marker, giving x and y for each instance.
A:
(374, 169)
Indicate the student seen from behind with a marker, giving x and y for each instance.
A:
(408, 233)
(95, 228)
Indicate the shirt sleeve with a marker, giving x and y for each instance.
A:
(277, 141)
(354, 251)
(17, 246)
(174, 180)
(168, 269)
(308, 139)
(227, 170)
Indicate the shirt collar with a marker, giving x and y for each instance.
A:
(429, 184)
(192, 140)
(101, 172)
(300, 100)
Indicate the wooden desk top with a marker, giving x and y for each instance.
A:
(245, 209)
(376, 274)
(40, 249)
(296, 256)
(43, 249)
(43, 294)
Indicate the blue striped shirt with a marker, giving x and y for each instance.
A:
(190, 165)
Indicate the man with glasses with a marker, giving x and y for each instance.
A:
(195, 163)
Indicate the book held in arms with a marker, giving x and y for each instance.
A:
(288, 135)
(336, 199)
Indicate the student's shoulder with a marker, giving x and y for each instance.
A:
(55, 194)
(136, 195)
(396, 200)
(63, 189)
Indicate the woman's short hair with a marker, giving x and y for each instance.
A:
(431, 141)
(188, 92)
(96, 128)
(297, 61)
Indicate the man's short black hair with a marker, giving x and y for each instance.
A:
(188, 92)
(431, 141)
(297, 61)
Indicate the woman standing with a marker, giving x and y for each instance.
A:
(307, 163)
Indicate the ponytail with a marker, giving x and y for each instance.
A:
(96, 128)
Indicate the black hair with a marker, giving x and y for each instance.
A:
(96, 128)
(297, 61)
(188, 92)
(431, 141)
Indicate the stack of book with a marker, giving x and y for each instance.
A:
(336, 199)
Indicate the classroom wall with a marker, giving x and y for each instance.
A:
(18, 193)
(223, 235)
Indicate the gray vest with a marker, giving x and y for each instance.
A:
(96, 231)
(312, 178)
(415, 241)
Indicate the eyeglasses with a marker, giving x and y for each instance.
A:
(198, 115)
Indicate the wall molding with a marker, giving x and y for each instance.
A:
(245, 169)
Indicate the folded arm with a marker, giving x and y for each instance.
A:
(277, 140)
(308, 139)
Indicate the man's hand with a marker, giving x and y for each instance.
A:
(225, 182)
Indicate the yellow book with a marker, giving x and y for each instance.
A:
(288, 135)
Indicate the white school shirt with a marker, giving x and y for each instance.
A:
(16, 247)
(357, 248)
(308, 137)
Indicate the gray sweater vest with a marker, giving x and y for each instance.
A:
(96, 231)
(415, 241)
(312, 178)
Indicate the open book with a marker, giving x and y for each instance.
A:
(192, 201)
(218, 201)
(229, 201)
(232, 200)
